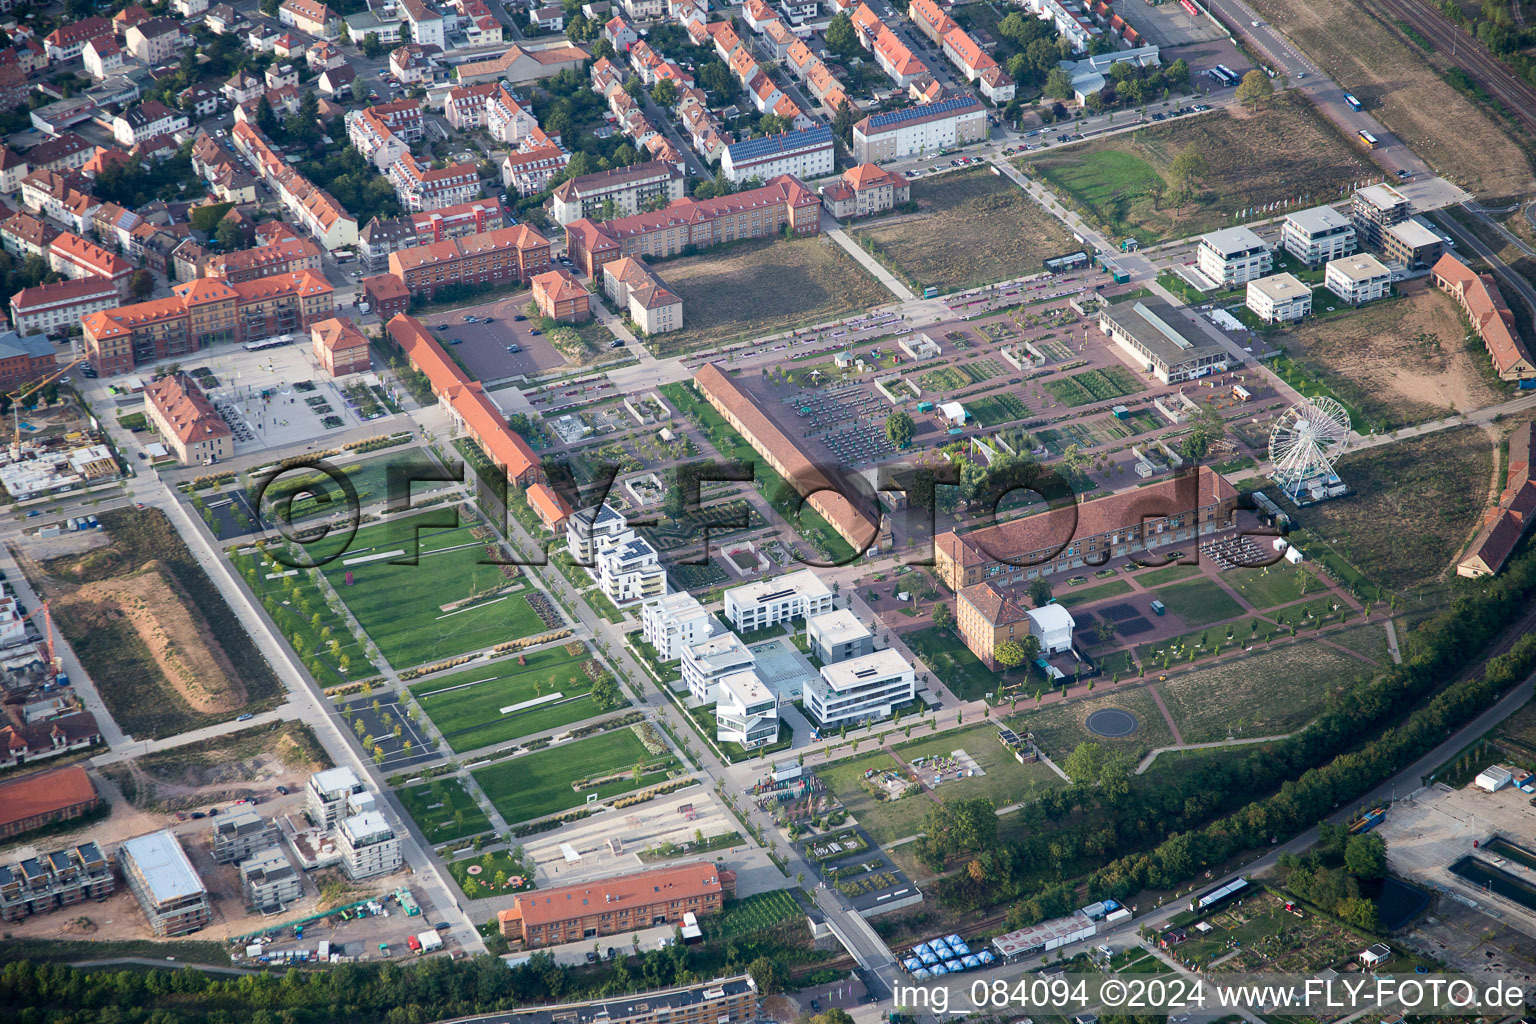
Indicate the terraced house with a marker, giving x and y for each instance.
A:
(510, 254)
(432, 188)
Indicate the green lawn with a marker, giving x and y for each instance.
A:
(444, 810)
(1006, 780)
(467, 706)
(540, 784)
(1167, 574)
(1273, 585)
(1059, 728)
(1268, 692)
(884, 820)
(369, 477)
(482, 884)
(1199, 602)
(1114, 588)
(293, 601)
(953, 664)
(402, 607)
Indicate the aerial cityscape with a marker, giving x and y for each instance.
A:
(814, 511)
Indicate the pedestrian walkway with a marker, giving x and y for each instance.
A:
(871, 264)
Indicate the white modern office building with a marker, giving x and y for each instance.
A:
(368, 845)
(586, 530)
(673, 623)
(334, 794)
(1234, 256)
(837, 636)
(1318, 235)
(795, 595)
(705, 664)
(629, 570)
(860, 689)
(1358, 279)
(747, 712)
(1279, 298)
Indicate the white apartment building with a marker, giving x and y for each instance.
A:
(860, 689)
(1279, 298)
(368, 845)
(328, 793)
(837, 636)
(589, 529)
(629, 570)
(705, 664)
(674, 623)
(1318, 235)
(1357, 279)
(921, 130)
(806, 154)
(628, 189)
(55, 308)
(747, 712)
(795, 595)
(1234, 256)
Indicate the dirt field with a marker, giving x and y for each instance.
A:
(761, 288)
(1399, 84)
(973, 227)
(1397, 362)
(252, 763)
(1284, 151)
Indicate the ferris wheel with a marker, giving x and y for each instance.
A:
(1306, 441)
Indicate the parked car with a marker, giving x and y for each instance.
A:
(519, 318)
(283, 790)
(245, 717)
(617, 343)
(535, 332)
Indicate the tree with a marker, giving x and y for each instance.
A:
(1040, 592)
(1009, 654)
(371, 46)
(1031, 646)
(832, 1016)
(266, 120)
(842, 123)
(1187, 171)
(1254, 89)
(269, 7)
(141, 285)
(841, 38)
(1365, 856)
(359, 89)
(1083, 764)
(766, 973)
(1209, 428)
(228, 235)
(1058, 85)
(941, 616)
(1360, 912)
(899, 428)
(664, 92)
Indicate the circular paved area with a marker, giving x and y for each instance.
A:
(1112, 723)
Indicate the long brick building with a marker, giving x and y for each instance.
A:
(697, 223)
(615, 906)
(33, 801)
(284, 256)
(511, 254)
(1073, 537)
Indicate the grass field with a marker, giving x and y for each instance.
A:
(1394, 362)
(1167, 574)
(1114, 588)
(1367, 638)
(466, 706)
(1202, 642)
(1006, 780)
(1199, 602)
(763, 287)
(1059, 728)
(540, 784)
(369, 477)
(293, 602)
(884, 820)
(444, 810)
(954, 665)
(1265, 693)
(974, 227)
(1402, 86)
(1273, 585)
(1431, 489)
(479, 886)
(1285, 150)
(402, 607)
(1094, 386)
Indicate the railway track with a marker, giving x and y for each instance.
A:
(1471, 56)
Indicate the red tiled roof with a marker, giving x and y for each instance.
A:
(996, 607)
(337, 334)
(32, 795)
(546, 906)
(184, 406)
(1486, 308)
(551, 508)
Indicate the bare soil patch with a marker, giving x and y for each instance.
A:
(1397, 362)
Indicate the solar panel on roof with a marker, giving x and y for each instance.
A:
(754, 148)
(947, 106)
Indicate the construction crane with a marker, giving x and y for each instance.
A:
(27, 389)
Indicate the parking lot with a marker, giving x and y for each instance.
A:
(483, 346)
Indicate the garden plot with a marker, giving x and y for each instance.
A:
(996, 409)
(753, 914)
(1094, 386)
(1266, 938)
(565, 775)
(1000, 777)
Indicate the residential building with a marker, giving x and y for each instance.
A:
(163, 881)
(674, 623)
(559, 296)
(314, 208)
(1506, 523)
(615, 906)
(222, 19)
(55, 195)
(1234, 256)
(242, 87)
(464, 107)
(629, 570)
(368, 846)
(1490, 316)
(426, 24)
(1413, 243)
(527, 170)
(919, 130)
(410, 64)
(52, 881)
(1358, 279)
(1318, 235)
(432, 188)
(386, 294)
(1183, 508)
(550, 506)
(24, 358)
(328, 793)
(838, 635)
(547, 18)
(102, 57)
(631, 285)
(507, 254)
(76, 259)
(506, 119)
(339, 347)
(806, 153)
(365, 23)
(519, 66)
(591, 529)
(65, 42)
(25, 235)
(864, 191)
(846, 509)
(379, 238)
(186, 421)
(1071, 21)
(323, 56)
(198, 101)
(863, 689)
(285, 256)
(746, 711)
(704, 663)
(620, 192)
(620, 34)
(697, 223)
(12, 169)
(46, 798)
(269, 881)
(155, 41)
(242, 834)
(1159, 337)
(312, 17)
(1376, 208)
(61, 154)
(54, 309)
(27, 742)
(468, 407)
(1279, 298)
(764, 603)
(986, 617)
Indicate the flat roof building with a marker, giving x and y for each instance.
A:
(1318, 235)
(328, 792)
(1358, 279)
(52, 881)
(860, 689)
(241, 835)
(162, 879)
(1412, 243)
(746, 711)
(837, 636)
(704, 664)
(764, 603)
(1156, 336)
(1376, 208)
(673, 623)
(269, 881)
(1279, 298)
(1234, 256)
(368, 845)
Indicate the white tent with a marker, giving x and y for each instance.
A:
(1053, 624)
